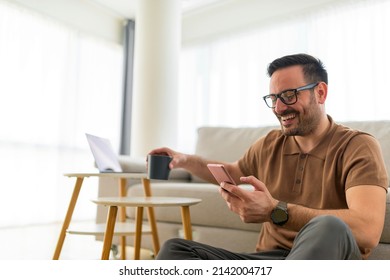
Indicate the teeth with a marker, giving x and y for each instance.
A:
(288, 117)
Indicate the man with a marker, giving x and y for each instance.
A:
(319, 187)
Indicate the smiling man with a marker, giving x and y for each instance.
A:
(317, 185)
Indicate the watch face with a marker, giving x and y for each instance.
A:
(279, 216)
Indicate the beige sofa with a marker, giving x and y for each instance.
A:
(213, 223)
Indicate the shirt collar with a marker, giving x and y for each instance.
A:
(291, 146)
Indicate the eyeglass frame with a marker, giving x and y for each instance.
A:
(295, 90)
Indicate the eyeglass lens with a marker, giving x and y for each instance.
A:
(288, 97)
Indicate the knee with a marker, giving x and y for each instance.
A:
(329, 222)
(325, 237)
(167, 248)
(171, 243)
(330, 228)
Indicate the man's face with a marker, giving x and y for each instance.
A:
(303, 117)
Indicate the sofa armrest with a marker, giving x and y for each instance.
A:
(138, 165)
(132, 165)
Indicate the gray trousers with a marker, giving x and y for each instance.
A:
(323, 238)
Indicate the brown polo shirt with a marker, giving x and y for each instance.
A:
(319, 179)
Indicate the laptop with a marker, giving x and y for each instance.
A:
(105, 157)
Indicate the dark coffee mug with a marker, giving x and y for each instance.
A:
(158, 167)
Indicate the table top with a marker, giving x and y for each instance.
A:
(150, 201)
(108, 174)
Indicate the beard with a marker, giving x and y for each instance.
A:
(308, 121)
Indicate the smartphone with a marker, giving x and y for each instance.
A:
(220, 173)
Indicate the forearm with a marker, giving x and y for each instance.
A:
(366, 229)
(299, 215)
(197, 166)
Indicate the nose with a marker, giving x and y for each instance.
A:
(280, 107)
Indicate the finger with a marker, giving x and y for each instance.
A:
(173, 163)
(233, 190)
(230, 199)
(161, 151)
(225, 195)
(176, 161)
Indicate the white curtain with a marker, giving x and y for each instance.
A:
(56, 84)
(223, 80)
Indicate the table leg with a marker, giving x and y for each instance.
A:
(109, 233)
(151, 217)
(186, 219)
(138, 232)
(122, 216)
(68, 217)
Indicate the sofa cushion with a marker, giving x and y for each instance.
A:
(226, 143)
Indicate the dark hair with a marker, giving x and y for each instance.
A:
(313, 69)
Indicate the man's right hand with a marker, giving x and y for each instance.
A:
(178, 159)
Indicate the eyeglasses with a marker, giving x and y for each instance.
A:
(288, 97)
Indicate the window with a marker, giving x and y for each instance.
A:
(56, 84)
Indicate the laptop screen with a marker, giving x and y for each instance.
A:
(105, 157)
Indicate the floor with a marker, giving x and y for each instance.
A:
(38, 243)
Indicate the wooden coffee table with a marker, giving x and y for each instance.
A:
(123, 228)
(140, 203)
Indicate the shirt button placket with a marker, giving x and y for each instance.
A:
(299, 172)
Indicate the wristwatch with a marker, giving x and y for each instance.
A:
(279, 214)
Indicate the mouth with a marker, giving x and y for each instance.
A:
(287, 119)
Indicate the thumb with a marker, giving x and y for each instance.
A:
(256, 183)
(173, 163)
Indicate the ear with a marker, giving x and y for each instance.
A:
(322, 92)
